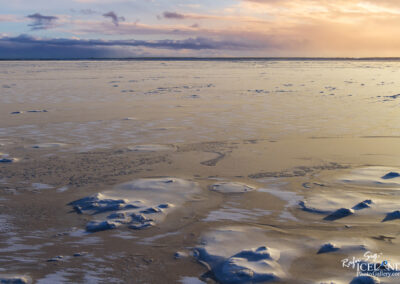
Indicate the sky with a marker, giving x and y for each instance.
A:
(207, 28)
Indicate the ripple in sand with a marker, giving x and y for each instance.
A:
(62, 189)
(237, 214)
(29, 111)
(48, 145)
(139, 204)
(40, 186)
(37, 110)
(191, 280)
(239, 255)
(231, 187)
(167, 128)
(150, 148)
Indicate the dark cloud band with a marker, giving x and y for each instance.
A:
(28, 47)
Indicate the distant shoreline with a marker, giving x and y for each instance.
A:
(212, 59)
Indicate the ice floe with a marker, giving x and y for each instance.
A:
(239, 255)
(138, 204)
(231, 187)
(373, 177)
(342, 204)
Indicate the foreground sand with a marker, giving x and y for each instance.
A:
(167, 187)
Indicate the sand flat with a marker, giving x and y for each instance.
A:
(246, 171)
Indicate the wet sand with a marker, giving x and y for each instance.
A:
(262, 180)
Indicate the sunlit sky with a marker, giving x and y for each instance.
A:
(136, 28)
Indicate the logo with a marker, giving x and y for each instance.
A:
(372, 264)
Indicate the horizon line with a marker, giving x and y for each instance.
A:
(217, 58)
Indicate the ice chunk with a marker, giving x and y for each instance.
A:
(329, 247)
(392, 216)
(96, 226)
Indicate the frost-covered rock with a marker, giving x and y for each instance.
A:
(138, 204)
(245, 265)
